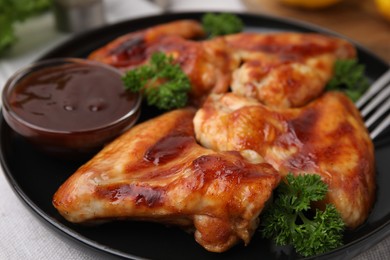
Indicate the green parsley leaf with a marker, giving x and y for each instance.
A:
(349, 78)
(162, 82)
(288, 220)
(221, 24)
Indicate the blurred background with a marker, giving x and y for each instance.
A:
(365, 21)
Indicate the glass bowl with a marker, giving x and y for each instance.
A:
(69, 106)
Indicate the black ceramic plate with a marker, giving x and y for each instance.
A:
(35, 177)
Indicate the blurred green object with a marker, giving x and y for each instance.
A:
(13, 11)
(7, 36)
(221, 24)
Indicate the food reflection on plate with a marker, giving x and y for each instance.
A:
(258, 110)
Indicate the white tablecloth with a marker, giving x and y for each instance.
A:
(22, 235)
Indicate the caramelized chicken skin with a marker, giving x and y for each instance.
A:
(290, 44)
(165, 176)
(285, 69)
(277, 120)
(208, 64)
(129, 50)
(326, 137)
(278, 69)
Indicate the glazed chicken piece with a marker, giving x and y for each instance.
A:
(165, 176)
(326, 137)
(209, 64)
(285, 69)
(279, 69)
(129, 50)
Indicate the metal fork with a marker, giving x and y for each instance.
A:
(374, 105)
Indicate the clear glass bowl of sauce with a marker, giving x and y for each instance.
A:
(69, 106)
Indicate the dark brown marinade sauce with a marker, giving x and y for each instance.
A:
(71, 97)
(129, 53)
(302, 125)
(172, 145)
(211, 167)
(300, 134)
(141, 195)
(168, 148)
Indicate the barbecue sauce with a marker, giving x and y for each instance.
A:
(72, 97)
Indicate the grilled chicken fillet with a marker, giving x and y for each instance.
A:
(129, 50)
(208, 64)
(327, 137)
(278, 69)
(285, 69)
(165, 176)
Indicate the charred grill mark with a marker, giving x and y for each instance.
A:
(128, 46)
(211, 167)
(344, 129)
(309, 45)
(130, 52)
(141, 195)
(300, 133)
(168, 148)
(303, 125)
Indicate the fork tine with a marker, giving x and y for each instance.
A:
(380, 112)
(375, 88)
(382, 126)
(383, 95)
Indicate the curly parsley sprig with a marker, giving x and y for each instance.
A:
(162, 82)
(221, 24)
(349, 78)
(287, 220)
